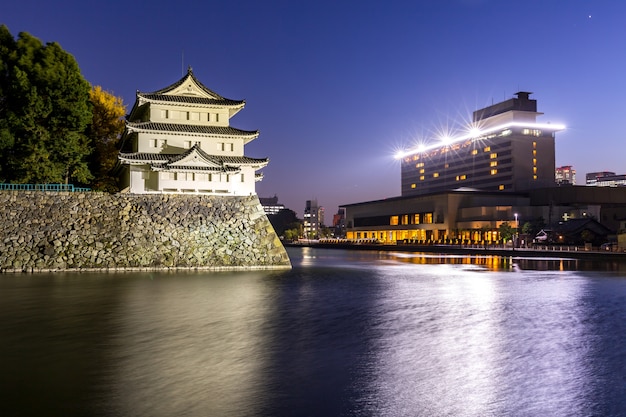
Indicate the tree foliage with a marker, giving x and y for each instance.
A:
(506, 231)
(104, 134)
(44, 111)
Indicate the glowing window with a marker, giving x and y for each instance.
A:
(428, 218)
(463, 176)
(534, 177)
(393, 220)
(494, 163)
(534, 152)
(412, 185)
(422, 171)
(436, 175)
(419, 165)
(493, 156)
(534, 170)
(416, 219)
(405, 219)
(501, 187)
(488, 149)
(494, 171)
(446, 166)
(421, 178)
(534, 145)
(474, 152)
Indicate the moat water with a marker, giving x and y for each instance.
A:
(344, 333)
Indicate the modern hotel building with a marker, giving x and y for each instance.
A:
(504, 149)
(501, 170)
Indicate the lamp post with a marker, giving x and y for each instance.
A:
(516, 231)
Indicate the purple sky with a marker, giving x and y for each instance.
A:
(337, 87)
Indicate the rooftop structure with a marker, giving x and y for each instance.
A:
(565, 175)
(179, 140)
(504, 149)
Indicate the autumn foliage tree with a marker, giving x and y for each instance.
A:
(44, 111)
(104, 134)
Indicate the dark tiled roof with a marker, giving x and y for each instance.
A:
(183, 80)
(202, 129)
(161, 159)
(191, 99)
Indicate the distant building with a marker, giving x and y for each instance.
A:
(605, 179)
(565, 175)
(504, 149)
(271, 205)
(311, 221)
(179, 140)
(339, 223)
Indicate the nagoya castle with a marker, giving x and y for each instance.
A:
(179, 140)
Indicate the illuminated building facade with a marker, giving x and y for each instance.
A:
(311, 222)
(504, 149)
(179, 140)
(565, 175)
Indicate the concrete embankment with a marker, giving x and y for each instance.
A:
(42, 231)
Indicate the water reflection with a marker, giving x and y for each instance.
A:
(344, 333)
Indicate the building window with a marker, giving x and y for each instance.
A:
(494, 163)
(493, 156)
(534, 152)
(405, 219)
(416, 218)
(422, 171)
(534, 177)
(393, 221)
(194, 116)
(534, 170)
(534, 161)
(202, 177)
(413, 185)
(501, 187)
(534, 145)
(475, 151)
(488, 149)
(419, 165)
(494, 171)
(187, 144)
(436, 175)
(242, 178)
(428, 218)
(421, 178)
(446, 166)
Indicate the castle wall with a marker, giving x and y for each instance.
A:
(42, 231)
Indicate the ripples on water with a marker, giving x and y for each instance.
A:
(342, 334)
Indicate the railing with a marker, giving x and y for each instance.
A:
(42, 187)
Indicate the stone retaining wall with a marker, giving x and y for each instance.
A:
(42, 231)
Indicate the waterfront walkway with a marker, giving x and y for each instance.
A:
(551, 251)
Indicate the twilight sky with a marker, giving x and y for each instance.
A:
(337, 87)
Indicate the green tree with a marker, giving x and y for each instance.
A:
(44, 108)
(104, 134)
(506, 231)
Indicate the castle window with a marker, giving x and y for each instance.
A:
(428, 218)
(187, 144)
(194, 116)
(242, 178)
(416, 218)
(393, 221)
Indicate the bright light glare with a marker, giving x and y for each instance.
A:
(475, 133)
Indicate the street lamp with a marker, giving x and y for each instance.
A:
(516, 230)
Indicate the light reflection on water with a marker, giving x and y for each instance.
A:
(344, 333)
